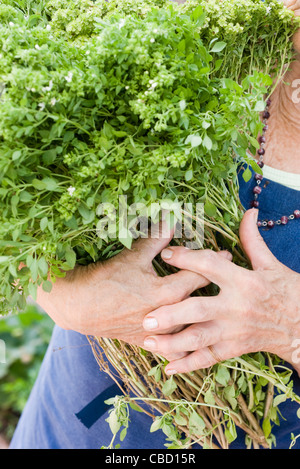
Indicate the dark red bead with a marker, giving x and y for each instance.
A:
(255, 203)
(266, 115)
(262, 139)
(259, 223)
(265, 128)
(257, 190)
(297, 213)
(261, 164)
(271, 224)
(284, 220)
(268, 102)
(261, 151)
(258, 177)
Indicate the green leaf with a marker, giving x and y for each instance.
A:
(218, 46)
(50, 184)
(34, 270)
(180, 419)
(12, 269)
(169, 387)
(197, 13)
(126, 239)
(194, 140)
(209, 398)
(32, 289)
(188, 175)
(123, 434)
(49, 157)
(223, 375)
(230, 431)
(279, 399)
(267, 428)
(113, 421)
(70, 257)
(43, 266)
(196, 423)
(229, 394)
(37, 184)
(44, 223)
(207, 143)
(210, 209)
(4, 259)
(255, 167)
(47, 286)
(156, 425)
(260, 106)
(247, 175)
(135, 407)
(16, 155)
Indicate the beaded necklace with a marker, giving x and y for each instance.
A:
(257, 190)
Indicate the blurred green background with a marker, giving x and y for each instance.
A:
(26, 337)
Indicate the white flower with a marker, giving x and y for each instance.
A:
(41, 106)
(127, 87)
(122, 23)
(11, 23)
(37, 47)
(154, 85)
(71, 190)
(152, 39)
(53, 101)
(49, 87)
(44, 248)
(155, 31)
(88, 52)
(69, 77)
(268, 9)
(182, 105)
(48, 27)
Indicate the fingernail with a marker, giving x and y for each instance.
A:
(150, 323)
(171, 372)
(150, 344)
(167, 253)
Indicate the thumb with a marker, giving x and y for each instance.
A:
(256, 249)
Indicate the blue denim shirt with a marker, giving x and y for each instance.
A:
(66, 408)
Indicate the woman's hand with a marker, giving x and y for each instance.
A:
(255, 310)
(110, 299)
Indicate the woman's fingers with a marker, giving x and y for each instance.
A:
(205, 357)
(187, 281)
(294, 5)
(194, 337)
(215, 267)
(192, 310)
